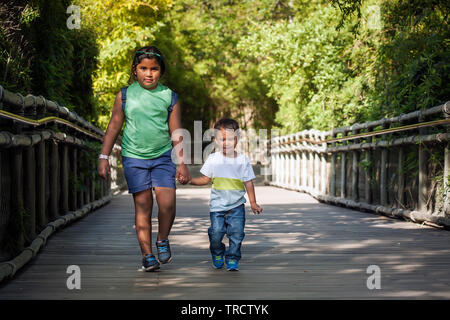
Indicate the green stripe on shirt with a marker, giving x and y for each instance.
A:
(227, 184)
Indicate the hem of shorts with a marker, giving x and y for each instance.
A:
(140, 188)
(173, 187)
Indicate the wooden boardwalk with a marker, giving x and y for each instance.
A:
(297, 249)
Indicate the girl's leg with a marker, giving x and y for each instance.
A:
(143, 203)
(165, 197)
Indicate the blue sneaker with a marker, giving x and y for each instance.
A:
(164, 254)
(149, 263)
(217, 262)
(232, 265)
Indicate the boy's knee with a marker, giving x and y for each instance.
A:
(236, 229)
(216, 231)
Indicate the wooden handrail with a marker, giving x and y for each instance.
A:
(48, 169)
(368, 162)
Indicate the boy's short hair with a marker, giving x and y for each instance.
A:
(226, 123)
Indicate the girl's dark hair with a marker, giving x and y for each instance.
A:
(146, 52)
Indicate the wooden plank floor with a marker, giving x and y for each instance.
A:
(297, 249)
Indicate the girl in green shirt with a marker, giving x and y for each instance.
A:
(152, 113)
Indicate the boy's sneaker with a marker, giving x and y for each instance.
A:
(232, 265)
(217, 262)
(149, 263)
(164, 254)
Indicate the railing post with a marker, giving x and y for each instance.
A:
(323, 170)
(297, 163)
(73, 203)
(355, 172)
(64, 179)
(292, 172)
(54, 180)
(316, 165)
(287, 163)
(446, 165)
(41, 218)
(401, 174)
(30, 193)
(423, 163)
(368, 171)
(401, 178)
(93, 172)
(310, 158)
(333, 167)
(17, 201)
(343, 170)
(80, 196)
(273, 157)
(304, 164)
(383, 172)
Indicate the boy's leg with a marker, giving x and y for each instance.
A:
(216, 232)
(143, 203)
(235, 222)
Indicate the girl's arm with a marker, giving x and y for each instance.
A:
(112, 131)
(182, 174)
(201, 181)
(250, 188)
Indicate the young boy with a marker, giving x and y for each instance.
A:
(231, 174)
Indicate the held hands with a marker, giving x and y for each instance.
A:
(182, 174)
(256, 208)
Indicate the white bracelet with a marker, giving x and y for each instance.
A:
(103, 156)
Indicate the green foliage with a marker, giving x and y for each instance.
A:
(41, 56)
(120, 27)
(293, 65)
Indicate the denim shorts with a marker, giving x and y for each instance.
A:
(143, 174)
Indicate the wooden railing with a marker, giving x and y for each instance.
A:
(48, 173)
(395, 166)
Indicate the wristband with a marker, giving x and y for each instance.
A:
(103, 156)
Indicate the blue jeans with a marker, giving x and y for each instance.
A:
(232, 224)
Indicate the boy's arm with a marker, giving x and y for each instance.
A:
(201, 181)
(250, 188)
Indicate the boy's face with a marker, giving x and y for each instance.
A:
(226, 139)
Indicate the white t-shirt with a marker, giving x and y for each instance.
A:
(228, 176)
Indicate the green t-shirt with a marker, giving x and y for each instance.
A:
(146, 134)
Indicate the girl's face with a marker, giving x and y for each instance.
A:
(148, 73)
